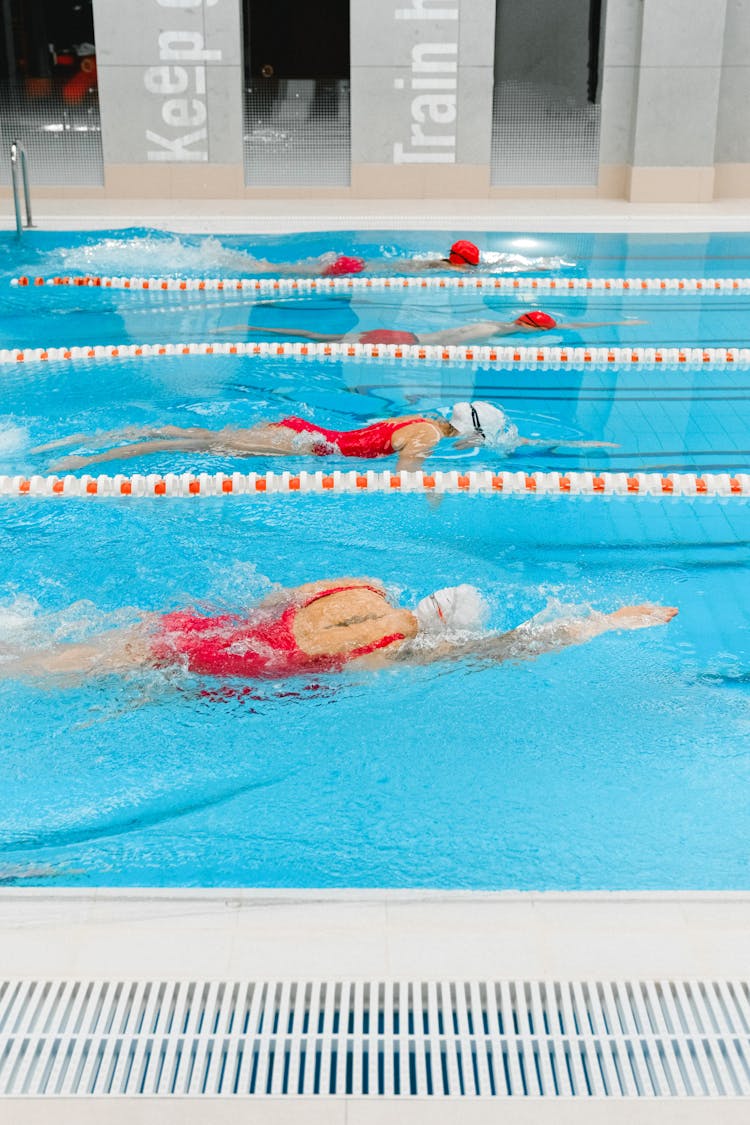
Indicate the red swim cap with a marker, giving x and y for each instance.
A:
(388, 336)
(343, 266)
(464, 253)
(536, 319)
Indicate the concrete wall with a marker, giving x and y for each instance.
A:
(732, 153)
(623, 32)
(170, 92)
(675, 86)
(678, 99)
(421, 68)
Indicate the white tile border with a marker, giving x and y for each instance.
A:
(274, 216)
(374, 1111)
(223, 933)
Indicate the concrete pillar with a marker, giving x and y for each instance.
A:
(733, 132)
(679, 77)
(421, 97)
(170, 91)
(623, 33)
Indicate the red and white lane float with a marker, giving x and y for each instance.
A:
(484, 482)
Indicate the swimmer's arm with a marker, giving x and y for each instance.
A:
(529, 639)
(553, 443)
(413, 444)
(601, 323)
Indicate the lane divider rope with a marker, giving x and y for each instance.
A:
(346, 284)
(476, 481)
(484, 353)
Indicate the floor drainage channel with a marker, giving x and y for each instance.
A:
(441, 1039)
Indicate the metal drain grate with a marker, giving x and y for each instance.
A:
(337, 1038)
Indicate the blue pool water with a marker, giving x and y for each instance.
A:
(623, 763)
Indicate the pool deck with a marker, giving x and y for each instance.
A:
(232, 934)
(268, 216)
(372, 934)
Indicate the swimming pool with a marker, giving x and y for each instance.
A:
(618, 764)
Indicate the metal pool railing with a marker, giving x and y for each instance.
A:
(18, 157)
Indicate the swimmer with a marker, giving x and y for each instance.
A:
(463, 255)
(476, 332)
(410, 437)
(321, 627)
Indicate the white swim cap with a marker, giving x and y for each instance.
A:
(455, 607)
(479, 420)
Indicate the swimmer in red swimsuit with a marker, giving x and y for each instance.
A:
(463, 255)
(317, 628)
(411, 438)
(475, 332)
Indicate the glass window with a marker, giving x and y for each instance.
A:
(296, 93)
(546, 112)
(48, 90)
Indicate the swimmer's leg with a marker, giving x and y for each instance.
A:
(127, 433)
(320, 337)
(118, 650)
(202, 444)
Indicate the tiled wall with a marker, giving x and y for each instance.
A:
(675, 86)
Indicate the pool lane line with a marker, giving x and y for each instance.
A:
(556, 357)
(477, 482)
(346, 284)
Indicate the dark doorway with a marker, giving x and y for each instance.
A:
(297, 39)
(546, 112)
(297, 61)
(48, 90)
(595, 35)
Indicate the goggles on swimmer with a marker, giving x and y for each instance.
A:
(478, 421)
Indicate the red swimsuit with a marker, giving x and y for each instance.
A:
(369, 441)
(387, 336)
(265, 648)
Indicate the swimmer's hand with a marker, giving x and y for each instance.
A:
(641, 616)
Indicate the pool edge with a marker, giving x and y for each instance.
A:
(372, 934)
